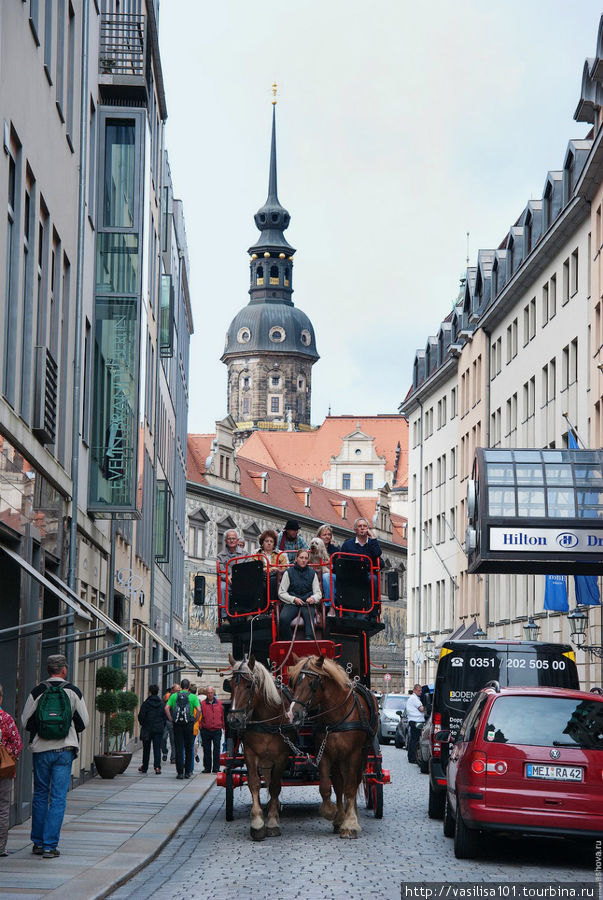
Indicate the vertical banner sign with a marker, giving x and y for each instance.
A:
(555, 593)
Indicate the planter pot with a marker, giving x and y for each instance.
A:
(125, 757)
(108, 766)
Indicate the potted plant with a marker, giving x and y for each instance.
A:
(115, 706)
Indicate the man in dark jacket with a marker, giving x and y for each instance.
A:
(152, 720)
(365, 545)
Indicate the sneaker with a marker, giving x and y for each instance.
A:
(51, 854)
(4, 853)
(37, 850)
(164, 757)
(180, 776)
(157, 771)
(188, 775)
(141, 770)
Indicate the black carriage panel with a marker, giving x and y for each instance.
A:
(247, 589)
(353, 584)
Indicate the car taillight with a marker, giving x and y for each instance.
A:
(479, 762)
(436, 747)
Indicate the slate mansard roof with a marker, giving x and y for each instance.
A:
(250, 330)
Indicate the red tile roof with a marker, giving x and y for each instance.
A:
(284, 491)
(308, 454)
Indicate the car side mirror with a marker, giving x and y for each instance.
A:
(443, 737)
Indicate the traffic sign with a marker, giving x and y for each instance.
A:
(387, 677)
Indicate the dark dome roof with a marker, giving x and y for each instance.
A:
(271, 327)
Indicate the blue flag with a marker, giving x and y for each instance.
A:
(587, 590)
(555, 593)
(586, 586)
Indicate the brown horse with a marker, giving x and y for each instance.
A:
(258, 712)
(347, 718)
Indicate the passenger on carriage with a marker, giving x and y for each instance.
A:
(272, 557)
(324, 534)
(289, 539)
(234, 546)
(365, 545)
(299, 591)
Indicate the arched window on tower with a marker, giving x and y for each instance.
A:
(259, 275)
(287, 277)
(273, 274)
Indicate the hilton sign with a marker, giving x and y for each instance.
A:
(546, 540)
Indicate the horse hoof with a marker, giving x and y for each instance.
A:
(273, 832)
(336, 828)
(353, 835)
(327, 811)
(257, 834)
(344, 833)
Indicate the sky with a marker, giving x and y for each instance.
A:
(400, 128)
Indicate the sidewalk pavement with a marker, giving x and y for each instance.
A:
(110, 831)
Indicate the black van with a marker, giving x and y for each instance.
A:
(464, 668)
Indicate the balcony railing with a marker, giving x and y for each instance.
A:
(122, 45)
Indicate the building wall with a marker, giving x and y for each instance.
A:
(357, 470)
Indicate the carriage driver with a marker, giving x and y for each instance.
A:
(299, 590)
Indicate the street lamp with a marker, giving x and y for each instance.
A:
(428, 646)
(578, 623)
(531, 629)
(480, 634)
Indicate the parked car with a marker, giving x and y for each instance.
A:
(388, 717)
(527, 760)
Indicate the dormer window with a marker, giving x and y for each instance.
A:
(273, 274)
(510, 253)
(548, 197)
(305, 337)
(259, 275)
(528, 234)
(277, 334)
(243, 335)
(568, 181)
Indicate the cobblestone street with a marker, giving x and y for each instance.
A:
(215, 859)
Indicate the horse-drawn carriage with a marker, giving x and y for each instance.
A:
(301, 711)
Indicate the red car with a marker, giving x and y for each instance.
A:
(527, 760)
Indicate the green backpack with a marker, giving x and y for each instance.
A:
(54, 713)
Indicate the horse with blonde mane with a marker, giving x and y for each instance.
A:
(258, 712)
(346, 714)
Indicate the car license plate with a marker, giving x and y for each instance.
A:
(555, 773)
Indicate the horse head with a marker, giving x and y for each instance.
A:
(243, 686)
(307, 686)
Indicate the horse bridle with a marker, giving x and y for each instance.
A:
(315, 683)
(236, 679)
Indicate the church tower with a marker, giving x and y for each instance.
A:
(270, 345)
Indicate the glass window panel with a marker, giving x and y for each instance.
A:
(113, 440)
(585, 456)
(119, 173)
(589, 503)
(530, 503)
(559, 474)
(553, 456)
(529, 474)
(498, 456)
(561, 503)
(117, 263)
(586, 476)
(500, 474)
(501, 502)
(527, 456)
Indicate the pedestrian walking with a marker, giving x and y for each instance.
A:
(196, 725)
(54, 715)
(180, 708)
(168, 733)
(11, 741)
(212, 723)
(152, 718)
(415, 713)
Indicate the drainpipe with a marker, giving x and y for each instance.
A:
(488, 363)
(79, 288)
(420, 530)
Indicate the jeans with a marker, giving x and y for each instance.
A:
(290, 611)
(169, 731)
(183, 739)
(155, 741)
(52, 776)
(413, 740)
(326, 586)
(211, 739)
(193, 738)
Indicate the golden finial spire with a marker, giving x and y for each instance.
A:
(274, 87)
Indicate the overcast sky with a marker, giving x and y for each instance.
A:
(400, 127)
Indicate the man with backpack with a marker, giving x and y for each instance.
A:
(54, 714)
(183, 709)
